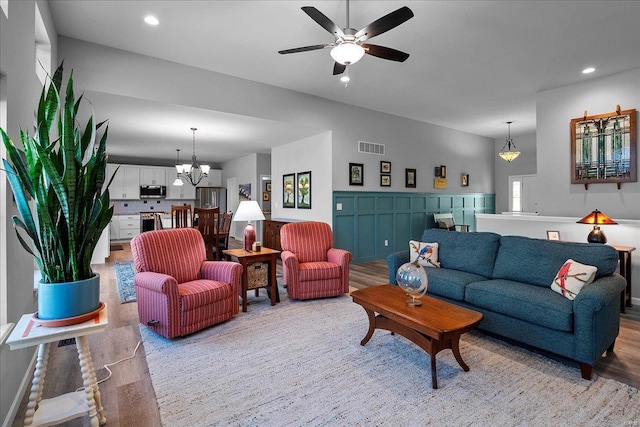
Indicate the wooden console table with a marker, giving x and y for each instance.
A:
(68, 406)
(624, 255)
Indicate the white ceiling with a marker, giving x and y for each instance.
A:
(474, 65)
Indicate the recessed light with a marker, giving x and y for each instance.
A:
(151, 20)
(588, 70)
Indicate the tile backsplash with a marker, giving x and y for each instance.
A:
(131, 207)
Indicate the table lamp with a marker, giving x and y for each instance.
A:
(249, 211)
(597, 218)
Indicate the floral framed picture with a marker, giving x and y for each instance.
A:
(385, 180)
(356, 174)
(304, 190)
(410, 178)
(289, 190)
(385, 167)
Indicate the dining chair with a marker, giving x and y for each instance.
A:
(209, 222)
(225, 228)
(180, 216)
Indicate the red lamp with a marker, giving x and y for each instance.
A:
(249, 211)
(597, 218)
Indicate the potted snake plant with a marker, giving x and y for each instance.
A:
(58, 180)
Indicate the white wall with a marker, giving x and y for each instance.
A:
(525, 164)
(310, 154)
(17, 61)
(554, 109)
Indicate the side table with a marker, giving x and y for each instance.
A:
(269, 256)
(624, 255)
(28, 333)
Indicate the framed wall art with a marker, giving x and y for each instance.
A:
(266, 196)
(385, 180)
(410, 178)
(603, 148)
(385, 167)
(553, 235)
(289, 190)
(304, 190)
(464, 179)
(356, 174)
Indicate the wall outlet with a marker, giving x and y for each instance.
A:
(338, 206)
(386, 243)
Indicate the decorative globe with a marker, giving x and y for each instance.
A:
(412, 278)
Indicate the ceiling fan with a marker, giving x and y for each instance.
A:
(348, 47)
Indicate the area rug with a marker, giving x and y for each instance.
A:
(301, 363)
(124, 281)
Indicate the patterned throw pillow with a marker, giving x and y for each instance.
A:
(425, 253)
(572, 277)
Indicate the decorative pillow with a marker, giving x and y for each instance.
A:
(572, 277)
(425, 253)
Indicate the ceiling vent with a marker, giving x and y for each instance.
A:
(371, 148)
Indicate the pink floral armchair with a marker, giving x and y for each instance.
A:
(178, 291)
(312, 267)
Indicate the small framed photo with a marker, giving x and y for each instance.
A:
(436, 172)
(385, 180)
(266, 196)
(268, 186)
(464, 180)
(410, 178)
(385, 167)
(356, 174)
(443, 171)
(553, 235)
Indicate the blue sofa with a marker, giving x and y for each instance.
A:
(508, 279)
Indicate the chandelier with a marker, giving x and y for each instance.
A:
(509, 151)
(194, 172)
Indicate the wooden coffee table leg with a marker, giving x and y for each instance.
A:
(455, 348)
(372, 326)
(434, 376)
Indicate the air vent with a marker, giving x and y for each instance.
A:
(371, 148)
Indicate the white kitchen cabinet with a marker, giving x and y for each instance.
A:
(126, 183)
(214, 179)
(153, 175)
(125, 227)
(185, 191)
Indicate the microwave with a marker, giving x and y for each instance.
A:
(153, 191)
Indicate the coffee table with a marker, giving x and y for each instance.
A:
(434, 326)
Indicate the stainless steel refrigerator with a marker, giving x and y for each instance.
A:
(211, 197)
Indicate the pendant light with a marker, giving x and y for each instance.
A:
(509, 151)
(194, 172)
(178, 181)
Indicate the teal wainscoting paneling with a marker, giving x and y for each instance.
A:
(364, 221)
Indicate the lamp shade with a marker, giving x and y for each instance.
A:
(597, 218)
(249, 211)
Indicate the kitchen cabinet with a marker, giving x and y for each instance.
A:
(126, 183)
(126, 227)
(185, 191)
(153, 175)
(213, 179)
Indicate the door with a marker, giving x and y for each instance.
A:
(237, 229)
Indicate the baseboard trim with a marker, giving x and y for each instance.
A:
(24, 385)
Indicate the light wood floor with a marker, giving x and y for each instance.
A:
(128, 396)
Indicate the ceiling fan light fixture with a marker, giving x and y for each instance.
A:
(347, 53)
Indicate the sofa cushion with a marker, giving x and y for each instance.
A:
(471, 252)
(425, 253)
(450, 283)
(533, 304)
(572, 277)
(537, 261)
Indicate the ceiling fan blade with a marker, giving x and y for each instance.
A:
(338, 68)
(323, 21)
(385, 23)
(305, 48)
(385, 52)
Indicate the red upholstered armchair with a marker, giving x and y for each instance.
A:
(312, 267)
(179, 292)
